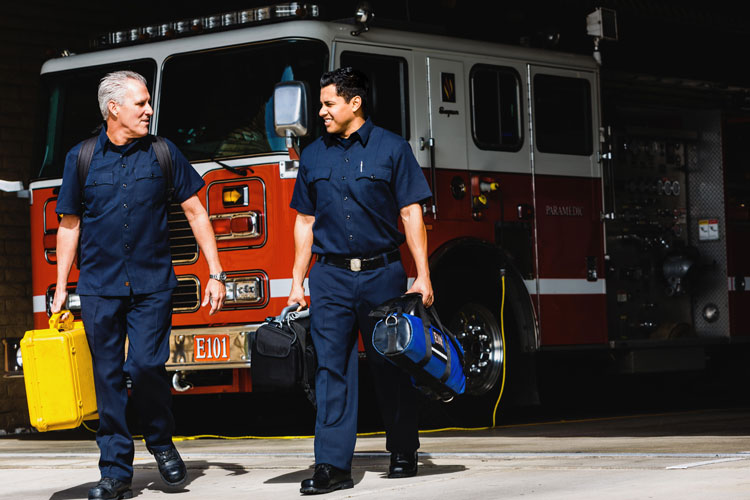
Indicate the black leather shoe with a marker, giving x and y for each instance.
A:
(327, 478)
(403, 465)
(171, 467)
(110, 489)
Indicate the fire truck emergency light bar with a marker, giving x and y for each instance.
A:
(217, 22)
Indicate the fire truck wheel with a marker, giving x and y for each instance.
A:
(479, 332)
(478, 329)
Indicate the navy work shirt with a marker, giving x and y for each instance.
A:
(124, 235)
(355, 188)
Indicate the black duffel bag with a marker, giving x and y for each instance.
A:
(282, 354)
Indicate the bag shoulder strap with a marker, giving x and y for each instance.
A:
(83, 162)
(161, 150)
(164, 157)
(459, 348)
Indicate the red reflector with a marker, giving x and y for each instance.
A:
(222, 226)
(241, 224)
(50, 241)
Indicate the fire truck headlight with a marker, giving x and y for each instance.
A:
(244, 290)
(235, 226)
(13, 360)
(74, 302)
(230, 291)
(247, 290)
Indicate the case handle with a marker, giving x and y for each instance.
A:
(62, 320)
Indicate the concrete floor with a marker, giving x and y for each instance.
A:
(701, 454)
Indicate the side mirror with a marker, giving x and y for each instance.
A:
(290, 109)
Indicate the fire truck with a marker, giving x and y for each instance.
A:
(572, 211)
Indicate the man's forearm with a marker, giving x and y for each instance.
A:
(204, 236)
(203, 232)
(67, 244)
(416, 237)
(303, 239)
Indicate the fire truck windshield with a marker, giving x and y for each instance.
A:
(71, 111)
(218, 103)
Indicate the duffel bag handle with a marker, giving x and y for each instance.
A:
(62, 321)
(291, 313)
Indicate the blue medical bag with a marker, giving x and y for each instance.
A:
(414, 339)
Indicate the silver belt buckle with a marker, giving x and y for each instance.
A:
(355, 265)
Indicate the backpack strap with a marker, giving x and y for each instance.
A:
(164, 157)
(161, 150)
(83, 162)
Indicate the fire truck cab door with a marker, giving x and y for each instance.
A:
(447, 111)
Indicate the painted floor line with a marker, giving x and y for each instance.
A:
(708, 462)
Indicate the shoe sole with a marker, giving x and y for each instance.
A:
(177, 484)
(124, 495)
(399, 475)
(343, 485)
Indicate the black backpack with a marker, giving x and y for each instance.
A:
(86, 153)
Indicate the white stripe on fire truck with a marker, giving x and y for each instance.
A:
(731, 283)
(282, 287)
(549, 286)
(38, 303)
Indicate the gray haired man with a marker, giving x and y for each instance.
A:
(126, 278)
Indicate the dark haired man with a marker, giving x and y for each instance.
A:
(353, 185)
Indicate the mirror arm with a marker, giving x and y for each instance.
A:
(292, 144)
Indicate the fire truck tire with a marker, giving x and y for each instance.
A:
(479, 332)
(478, 329)
(472, 313)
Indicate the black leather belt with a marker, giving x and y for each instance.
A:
(366, 264)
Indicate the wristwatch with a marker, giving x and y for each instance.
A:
(222, 276)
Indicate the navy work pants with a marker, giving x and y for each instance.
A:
(146, 320)
(340, 301)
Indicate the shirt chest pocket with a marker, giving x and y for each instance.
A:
(322, 191)
(150, 185)
(98, 192)
(375, 174)
(374, 183)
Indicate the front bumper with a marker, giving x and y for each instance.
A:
(182, 347)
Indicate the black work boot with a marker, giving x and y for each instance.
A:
(403, 465)
(327, 478)
(110, 489)
(171, 467)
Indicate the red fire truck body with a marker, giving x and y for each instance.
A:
(525, 180)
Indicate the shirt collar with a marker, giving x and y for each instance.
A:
(362, 135)
(106, 144)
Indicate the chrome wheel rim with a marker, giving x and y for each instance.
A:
(479, 333)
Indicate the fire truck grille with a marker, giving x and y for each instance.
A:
(181, 240)
(186, 297)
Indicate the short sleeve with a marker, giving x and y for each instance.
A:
(186, 181)
(409, 183)
(69, 200)
(301, 201)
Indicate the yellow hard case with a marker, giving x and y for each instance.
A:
(58, 374)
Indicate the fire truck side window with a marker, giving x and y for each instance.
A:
(219, 103)
(71, 109)
(388, 99)
(495, 108)
(562, 113)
